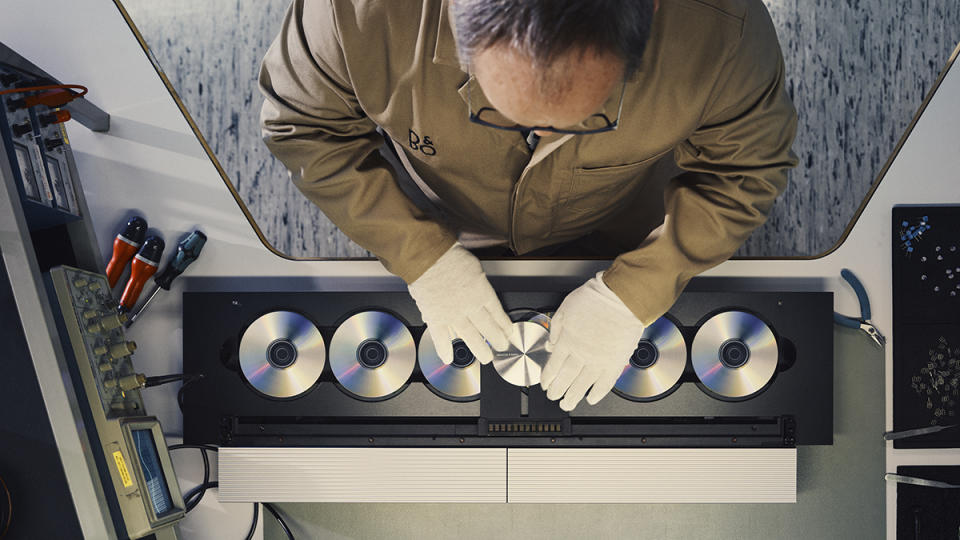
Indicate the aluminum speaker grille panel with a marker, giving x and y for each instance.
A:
(653, 475)
(363, 474)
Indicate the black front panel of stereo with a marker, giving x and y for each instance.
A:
(222, 407)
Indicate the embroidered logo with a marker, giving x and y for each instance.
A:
(424, 145)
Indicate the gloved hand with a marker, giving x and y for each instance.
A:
(592, 337)
(457, 301)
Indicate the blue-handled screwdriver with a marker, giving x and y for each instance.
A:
(187, 251)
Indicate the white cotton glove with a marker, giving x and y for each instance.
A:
(457, 301)
(592, 337)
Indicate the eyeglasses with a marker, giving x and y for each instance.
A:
(595, 123)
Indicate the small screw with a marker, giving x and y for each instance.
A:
(370, 440)
(461, 440)
(553, 440)
(643, 440)
(733, 439)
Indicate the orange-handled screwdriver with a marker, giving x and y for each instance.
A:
(144, 265)
(125, 246)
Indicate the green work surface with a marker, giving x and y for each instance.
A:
(840, 490)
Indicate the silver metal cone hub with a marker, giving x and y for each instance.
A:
(522, 362)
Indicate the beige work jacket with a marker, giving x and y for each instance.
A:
(710, 89)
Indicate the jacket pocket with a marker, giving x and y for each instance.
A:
(593, 189)
(593, 195)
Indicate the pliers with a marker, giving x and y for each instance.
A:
(863, 322)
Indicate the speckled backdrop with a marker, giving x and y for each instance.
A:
(856, 69)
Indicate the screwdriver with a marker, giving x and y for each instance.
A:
(125, 246)
(187, 251)
(144, 265)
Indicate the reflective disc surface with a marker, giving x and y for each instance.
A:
(657, 364)
(734, 354)
(372, 354)
(282, 354)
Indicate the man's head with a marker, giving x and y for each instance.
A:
(551, 62)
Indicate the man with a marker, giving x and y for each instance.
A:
(544, 126)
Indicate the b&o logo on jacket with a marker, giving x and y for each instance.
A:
(424, 145)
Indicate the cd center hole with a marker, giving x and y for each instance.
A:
(462, 357)
(281, 353)
(372, 353)
(645, 355)
(734, 353)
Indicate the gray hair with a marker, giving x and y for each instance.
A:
(546, 29)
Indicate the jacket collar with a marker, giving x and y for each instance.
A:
(445, 51)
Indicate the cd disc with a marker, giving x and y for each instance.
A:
(282, 354)
(521, 366)
(734, 354)
(372, 354)
(459, 380)
(657, 363)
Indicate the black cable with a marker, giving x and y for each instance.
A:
(195, 495)
(206, 474)
(283, 524)
(157, 380)
(6, 510)
(256, 516)
(209, 447)
(180, 396)
(187, 382)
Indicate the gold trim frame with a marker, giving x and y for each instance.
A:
(275, 251)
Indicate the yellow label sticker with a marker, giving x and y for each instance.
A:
(63, 133)
(122, 469)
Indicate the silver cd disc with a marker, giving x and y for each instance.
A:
(521, 365)
(458, 380)
(282, 354)
(656, 364)
(372, 354)
(734, 354)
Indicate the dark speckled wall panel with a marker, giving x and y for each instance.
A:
(857, 71)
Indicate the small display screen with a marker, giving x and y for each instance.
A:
(156, 488)
(53, 169)
(26, 172)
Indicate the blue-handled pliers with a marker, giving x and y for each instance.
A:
(863, 323)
